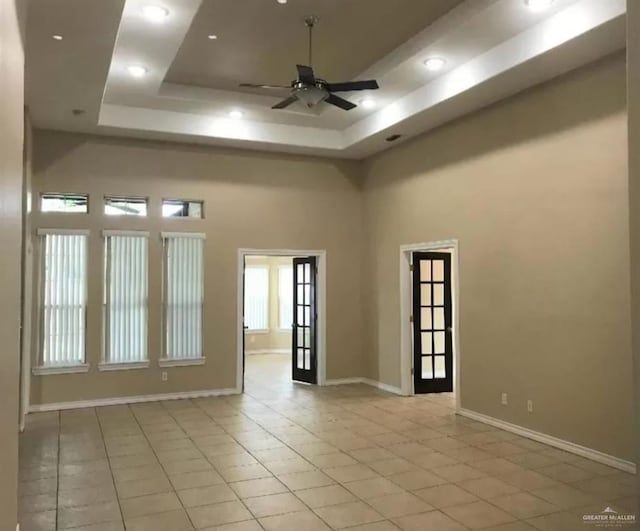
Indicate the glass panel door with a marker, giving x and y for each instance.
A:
(432, 319)
(304, 320)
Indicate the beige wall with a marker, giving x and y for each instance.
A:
(633, 103)
(274, 338)
(535, 190)
(252, 200)
(11, 143)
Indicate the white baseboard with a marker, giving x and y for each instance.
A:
(100, 402)
(567, 446)
(385, 387)
(268, 351)
(344, 381)
(366, 381)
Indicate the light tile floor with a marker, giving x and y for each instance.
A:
(291, 457)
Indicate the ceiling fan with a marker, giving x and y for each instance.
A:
(312, 91)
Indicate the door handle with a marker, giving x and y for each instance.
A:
(449, 329)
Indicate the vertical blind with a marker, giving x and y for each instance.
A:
(256, 297)
(64, 298)
(285, 296)
(125, 297)
(184, 295)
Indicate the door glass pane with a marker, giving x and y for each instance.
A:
(425, 270)
(300, 336)
(307, 315)
(425, 318)
(307, 273)
(425, 294)
(438, 270)
(438, 318)
(440, 371)
(300, 294)
(426, 343)
(438, 341)
(307, 359)
(300, 358)
(300, 278)
(300, 315)
(307, 337)
(307, 293)
(438, 294)
(427, 369)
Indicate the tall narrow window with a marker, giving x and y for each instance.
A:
(125, 296)
(285, 296)
(183, 298)
(256, 297)
(63, 298)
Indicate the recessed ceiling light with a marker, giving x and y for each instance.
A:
(155, 13)
(538, 5)
(57, 37)
(282, 1)
(137, 70)
(236, 114)
(368, 103)
(434, 64)
(212, 37)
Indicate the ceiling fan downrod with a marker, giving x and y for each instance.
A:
(311, 22)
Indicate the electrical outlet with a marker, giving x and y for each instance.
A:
(504, 399)
(165, 376)
(530, 406)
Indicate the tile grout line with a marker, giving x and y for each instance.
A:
(58, 471)
(106, 451)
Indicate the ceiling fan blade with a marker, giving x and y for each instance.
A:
(371, 84)
(285, 103)
(305, 74)
(252, 85)
(340, 102)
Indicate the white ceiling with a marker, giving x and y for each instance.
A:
(493, 48)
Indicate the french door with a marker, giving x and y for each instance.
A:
(304, 358)
(432, 322)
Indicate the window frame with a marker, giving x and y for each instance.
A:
(166, 361)
(39, 368)
(42, 195)
(106, 365)
(265, 267)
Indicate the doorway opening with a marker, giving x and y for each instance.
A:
(281, 316)
(430, 353)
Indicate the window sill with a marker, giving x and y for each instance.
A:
(123, 366)
(181, 362)
(72, 369)
(257, 331)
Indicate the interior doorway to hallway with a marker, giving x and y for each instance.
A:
(281, 330)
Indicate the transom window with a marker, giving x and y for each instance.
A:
(66, 203)
(125, 206)
(179, 208)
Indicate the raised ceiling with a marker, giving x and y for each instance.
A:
(493, 48)
(261, 41)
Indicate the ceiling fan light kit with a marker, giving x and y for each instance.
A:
(312, 91)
